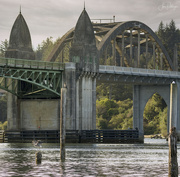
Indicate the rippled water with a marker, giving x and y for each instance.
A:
(149, 159)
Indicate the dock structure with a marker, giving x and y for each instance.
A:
(73, 136)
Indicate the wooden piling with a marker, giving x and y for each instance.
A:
(173, 164)
(38, 157)
(62, 124)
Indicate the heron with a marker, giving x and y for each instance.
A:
(37, 143)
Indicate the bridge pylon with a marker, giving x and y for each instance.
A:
(80, 77)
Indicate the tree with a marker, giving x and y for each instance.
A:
(114, 115)
(169, 35)
(153, 122)
(44, 49)
(3, 47)
(114, 91)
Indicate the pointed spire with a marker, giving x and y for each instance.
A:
(84, 5)
(20, 45)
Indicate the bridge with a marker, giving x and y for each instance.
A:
(120, 52)
(46, 75)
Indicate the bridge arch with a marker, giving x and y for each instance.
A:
(133, 25)
(111, 33)
(142, 93)
(151, 104)
(40, 81)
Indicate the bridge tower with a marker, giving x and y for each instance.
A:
(81, 77)
(34, 108)
(20, 46)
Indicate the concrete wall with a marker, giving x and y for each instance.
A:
(81, 99)
(40, 114)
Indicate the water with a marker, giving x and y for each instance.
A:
(90, 160)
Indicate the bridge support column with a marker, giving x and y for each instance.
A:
(87, 103)
(13, 112)
(141, 95)
(138, 113)
(81, 99)
(174, 112)
(70, 81)
(94, 103)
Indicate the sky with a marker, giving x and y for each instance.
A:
(53, 18)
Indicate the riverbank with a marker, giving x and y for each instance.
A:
(156, 136)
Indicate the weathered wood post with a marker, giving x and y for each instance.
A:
(38, 157)
(62, 124)
(173, 164)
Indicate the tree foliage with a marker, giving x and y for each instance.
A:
(153, 121)
(3, 47)
(114, 115)
(118, 115)
(169, 34)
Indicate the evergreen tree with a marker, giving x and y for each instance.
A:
(44, 49)
(3, 47)
(169, 35)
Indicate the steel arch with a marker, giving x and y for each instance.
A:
(106, 32)
(119, 28)
(46, 80)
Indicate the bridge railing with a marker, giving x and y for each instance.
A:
(138, 71)
(35, 64)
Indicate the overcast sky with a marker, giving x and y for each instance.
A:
(54, 18)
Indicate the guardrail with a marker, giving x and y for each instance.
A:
(35, 64)
(138, 71)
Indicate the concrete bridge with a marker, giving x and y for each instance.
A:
(34, 86)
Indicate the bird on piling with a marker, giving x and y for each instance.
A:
(37, 143)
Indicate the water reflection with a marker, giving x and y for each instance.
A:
(149, 159)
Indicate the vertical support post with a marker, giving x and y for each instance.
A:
(122, 58)
(138, 48)
(146, 50)
(174, 111)
(173, 164)
(94, 103)
(135, 57)
(80, 90)
(105, 62)
(161, 61)
(131, 46)
(175, 61)
(62, 124)
(114, 51)
(62, 55)
(173, 105)
(154, 54)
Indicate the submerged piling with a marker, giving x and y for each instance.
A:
(38, 157)
(173, 164)
(62, 124)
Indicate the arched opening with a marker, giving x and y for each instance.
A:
(155, 116)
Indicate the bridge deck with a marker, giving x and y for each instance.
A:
(35, 64)
(136, 75)
(138, 71)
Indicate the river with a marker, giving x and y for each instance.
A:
(90, 160)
